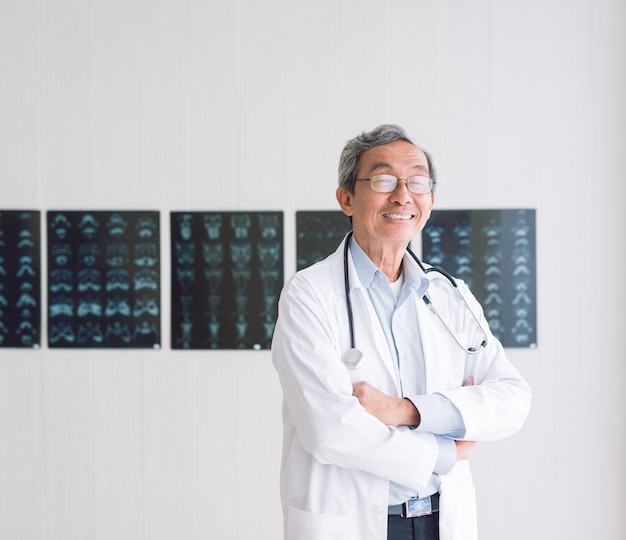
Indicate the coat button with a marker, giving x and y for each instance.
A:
(378, 510)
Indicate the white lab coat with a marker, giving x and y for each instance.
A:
(337, 458)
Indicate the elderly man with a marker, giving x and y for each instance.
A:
(390, 374)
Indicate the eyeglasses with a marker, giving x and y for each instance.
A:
(386, 183)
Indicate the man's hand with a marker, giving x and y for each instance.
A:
(395, 411)
(464, 449)
(392, 411)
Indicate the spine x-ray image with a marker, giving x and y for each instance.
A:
(20, 279)
(227, 273)
(493, 251)
(319, 233)
(104, 279)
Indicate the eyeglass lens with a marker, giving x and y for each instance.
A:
(386, 183)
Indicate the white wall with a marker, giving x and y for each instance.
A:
(141, 104)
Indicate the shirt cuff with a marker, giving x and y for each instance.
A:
(447, 455)
(439, 415)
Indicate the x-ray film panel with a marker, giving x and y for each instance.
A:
(319, 233)
(20, 278)
(104, 279)
(227, 273)
(494, 252)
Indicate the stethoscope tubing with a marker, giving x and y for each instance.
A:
(347, 285)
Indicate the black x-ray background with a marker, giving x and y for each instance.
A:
(104, 279)
(227, 273)
(319, 233)
(494, 251)
(20, 278)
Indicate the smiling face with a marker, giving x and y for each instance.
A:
(384, 222)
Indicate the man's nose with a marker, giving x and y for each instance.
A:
(401, 193)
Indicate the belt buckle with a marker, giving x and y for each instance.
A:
(417, 508)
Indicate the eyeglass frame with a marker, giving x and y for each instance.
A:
(431, 183)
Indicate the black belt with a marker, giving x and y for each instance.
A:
(415, 507)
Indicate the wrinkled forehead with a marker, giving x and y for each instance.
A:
(394, 156)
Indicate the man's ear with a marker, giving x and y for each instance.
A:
(344, 198)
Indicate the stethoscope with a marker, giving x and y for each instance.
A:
(354, 357)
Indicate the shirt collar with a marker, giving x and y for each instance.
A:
(365, 268)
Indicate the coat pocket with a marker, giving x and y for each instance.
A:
(302, 525)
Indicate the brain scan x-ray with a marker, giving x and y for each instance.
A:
(319, 233)
(227, 273)
(104, 279)
(494, 252)
(20, 278)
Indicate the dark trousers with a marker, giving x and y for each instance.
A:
(421, 528)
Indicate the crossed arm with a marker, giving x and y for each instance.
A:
(396, 411)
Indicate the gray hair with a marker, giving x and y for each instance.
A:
(350, 158)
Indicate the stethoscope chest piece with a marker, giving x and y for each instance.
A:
(353, 358)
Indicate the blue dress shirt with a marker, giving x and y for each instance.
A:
(438, 414)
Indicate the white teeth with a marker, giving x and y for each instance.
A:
(398, 216)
